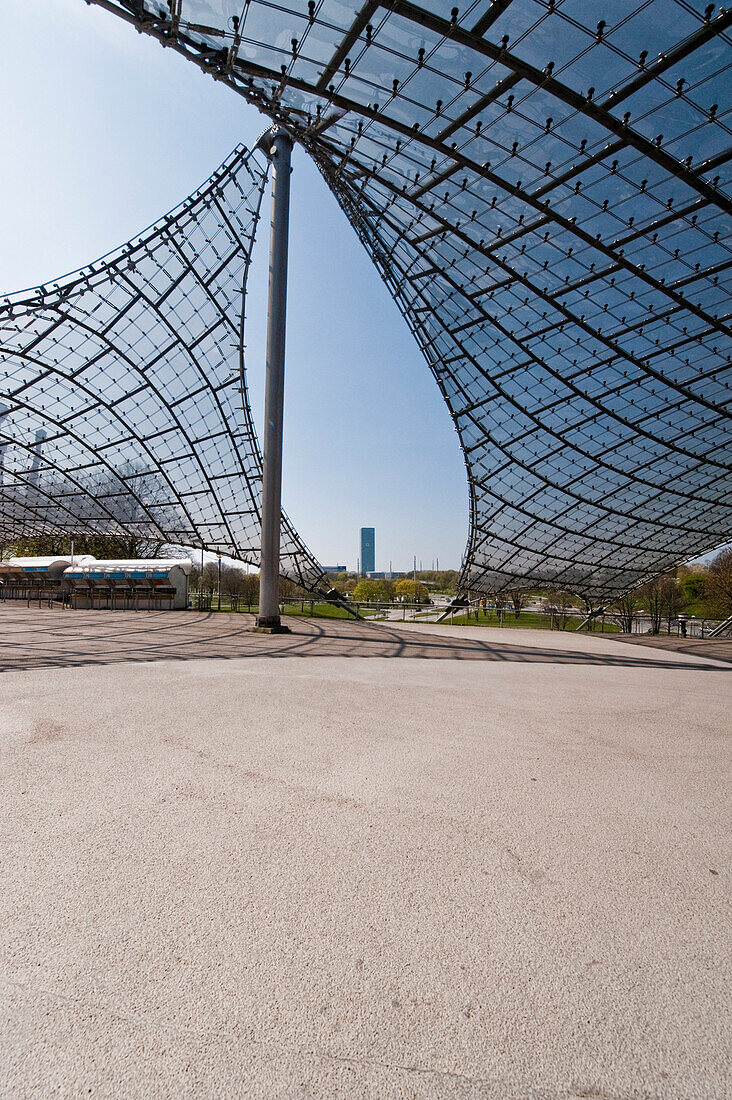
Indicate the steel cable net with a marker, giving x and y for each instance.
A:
(544, 186)
(123, 402)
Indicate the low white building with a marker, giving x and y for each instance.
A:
(84, 582)
(138, 584)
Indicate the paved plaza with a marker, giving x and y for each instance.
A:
(360, 861)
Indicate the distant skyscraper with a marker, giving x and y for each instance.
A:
(368, 550)
(37, 449)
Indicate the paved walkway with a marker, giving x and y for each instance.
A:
(487, 868)
(719, 649)
(40, 638)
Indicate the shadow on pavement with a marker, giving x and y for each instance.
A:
(714, 649)
(35, 639)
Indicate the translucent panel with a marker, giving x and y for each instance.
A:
(544, 187)
(123, 407)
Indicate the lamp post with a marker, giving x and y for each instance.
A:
(218, 608)
(277, 144)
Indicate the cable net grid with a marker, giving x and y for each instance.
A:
(544, 187)
(123, 402)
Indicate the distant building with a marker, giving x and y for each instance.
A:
(130, 584)
(36, 449)
(334, 568)
(368, 549)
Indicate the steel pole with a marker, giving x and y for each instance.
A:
(280, 150)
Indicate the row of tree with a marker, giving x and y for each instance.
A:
(100, 546)
(236, 582)
(704, 591)
(386, 590)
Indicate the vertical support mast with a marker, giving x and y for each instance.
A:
(277, 143)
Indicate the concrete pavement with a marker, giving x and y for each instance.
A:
(359, 861)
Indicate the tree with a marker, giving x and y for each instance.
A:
(693, 587)
(719, 582)
(389, 589)
(415, 592)
(663, 596)
(672, 599)
(210, 577)
(337, 581)
(625, 611)
(100, 546)
(518, 599)
(449, 580)
(653, 594)
(442, 580)
(291, 589)
(249, 587)
(369, 591)
(234, 580)
(560, 604)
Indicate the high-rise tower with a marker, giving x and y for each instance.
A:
(368, 549)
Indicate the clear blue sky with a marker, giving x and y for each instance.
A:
(103, 132)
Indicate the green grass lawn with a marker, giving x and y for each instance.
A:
(527, 620)
(319, 610)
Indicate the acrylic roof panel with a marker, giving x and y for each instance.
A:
(123, 404)
(544, 187)
(126, 565)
